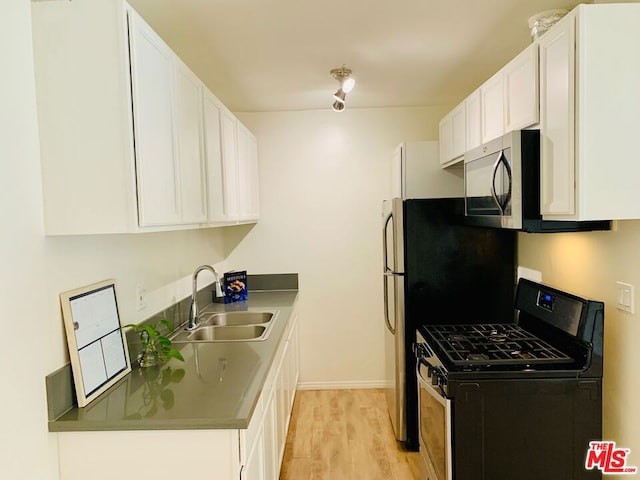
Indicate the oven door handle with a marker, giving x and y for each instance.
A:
(446, 405)
(440, 398)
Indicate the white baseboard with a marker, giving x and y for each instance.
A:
(355, 384)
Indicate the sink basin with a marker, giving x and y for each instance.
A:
(222, 333)
(229, 327)
(236, 318)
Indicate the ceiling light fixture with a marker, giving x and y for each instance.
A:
(343, 76)
(338, 106)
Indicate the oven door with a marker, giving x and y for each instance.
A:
(435, 427)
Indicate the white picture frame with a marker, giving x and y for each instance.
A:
(97, 345)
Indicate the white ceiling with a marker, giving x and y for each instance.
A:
(266, 55)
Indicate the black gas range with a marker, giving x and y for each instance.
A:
(516, 400)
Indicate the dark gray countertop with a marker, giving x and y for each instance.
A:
(216, 387)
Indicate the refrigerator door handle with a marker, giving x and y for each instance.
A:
(385, 243)
(386, 304)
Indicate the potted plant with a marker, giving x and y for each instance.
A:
(156, 348)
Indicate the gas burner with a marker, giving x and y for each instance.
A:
(498, 338)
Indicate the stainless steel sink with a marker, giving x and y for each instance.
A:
(236, 318)
(229, 327)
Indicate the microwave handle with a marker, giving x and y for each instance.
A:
(496, 166)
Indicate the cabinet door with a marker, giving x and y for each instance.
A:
(446, 139)
(473, 119)
(254, 179)
(271, 461)
(452, 135)
(521, 89)
(459, 131)
(230, 165)
(492, 93)
(557, 118)
(213, 156)
(247, 174)
(189, 136)
(280, 405)
(156, 166)
(253, 469)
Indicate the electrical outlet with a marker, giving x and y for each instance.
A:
(529, 274)
(141, 300)
(624, 297)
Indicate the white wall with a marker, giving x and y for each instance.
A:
(323, 176)
(589, 264)
(24, 444)
(34, 269)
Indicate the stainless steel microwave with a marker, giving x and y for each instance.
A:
(502, 186)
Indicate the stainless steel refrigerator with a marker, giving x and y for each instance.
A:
(437, 270)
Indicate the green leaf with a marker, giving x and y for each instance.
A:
(173, 353)
(151, 331)
(167, 324)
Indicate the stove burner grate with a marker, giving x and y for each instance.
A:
(494, 344)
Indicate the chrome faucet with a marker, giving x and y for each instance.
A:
(193, 311)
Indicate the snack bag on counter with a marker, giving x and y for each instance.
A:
(235, 287)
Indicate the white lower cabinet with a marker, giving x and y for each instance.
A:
(271, 459)
(192, 454)
(254, 453)
(264, 458)
(253, 467)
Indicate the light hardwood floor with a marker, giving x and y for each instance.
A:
(344, 435)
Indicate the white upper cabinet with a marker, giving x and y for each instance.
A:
(156, 159)
(473, 108)
(521, 90)
(557, 120)
(452, 136)
(213, 155)
(507, 101)
(189, 132)
(589, 104)
(492, 101)
(127, 138)
(229, 130)
(248, 195)
(167, 118)
(232, 163)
